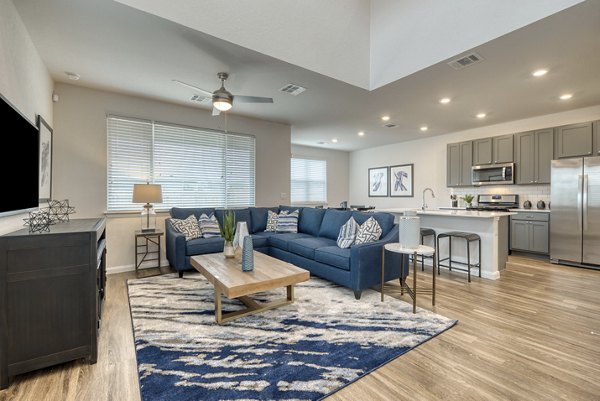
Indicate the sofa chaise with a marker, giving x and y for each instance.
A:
(313, 247)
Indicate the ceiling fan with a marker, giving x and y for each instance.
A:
(222, 99)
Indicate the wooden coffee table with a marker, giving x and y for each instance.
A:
(227, 277)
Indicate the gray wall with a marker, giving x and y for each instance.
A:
(24, 81)
(80, 155)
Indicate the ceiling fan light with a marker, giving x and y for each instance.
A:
(222, 104)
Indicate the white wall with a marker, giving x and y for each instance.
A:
(338, 177)
(429, 158)
(80, 154)
(24, 80)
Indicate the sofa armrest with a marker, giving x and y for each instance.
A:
(176, 245)
(365, 262)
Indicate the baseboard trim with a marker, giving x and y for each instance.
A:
(130, 268)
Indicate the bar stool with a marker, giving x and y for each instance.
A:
(426, 232)
(469, 237)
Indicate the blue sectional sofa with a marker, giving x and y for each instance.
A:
(313, 248)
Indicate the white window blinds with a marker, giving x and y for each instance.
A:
(195, 167)
(308, 181)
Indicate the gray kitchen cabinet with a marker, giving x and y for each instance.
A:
(459, 162)
(529, 232)
(482, 151)
(573, 140)
(503, 148)
(534, 151)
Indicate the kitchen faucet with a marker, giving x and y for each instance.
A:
(432, 195)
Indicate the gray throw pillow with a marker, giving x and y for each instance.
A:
(347, 234)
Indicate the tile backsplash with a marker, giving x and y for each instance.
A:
(532, 193)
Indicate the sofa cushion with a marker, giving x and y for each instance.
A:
(347, 234)
(240, 215)
(258, 218)
(183, 212)
(261, 239)
(306, 246)
(188, 227)
(287, 222)
(334, 256)
(209, 226)
(201, 246)
(369, 231)
(282, 241)
(332, 222)
(385, 220)
(311, 220)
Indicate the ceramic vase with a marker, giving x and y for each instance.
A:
(409, 228)
(228, 250)
(247, 254)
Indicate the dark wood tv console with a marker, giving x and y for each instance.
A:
(51, 290)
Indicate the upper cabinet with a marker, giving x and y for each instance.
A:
(503, 148)
(498, 149)
(482, 151)
(573, 140)
(459, 162)
(534, 151)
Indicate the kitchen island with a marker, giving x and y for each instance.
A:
(492, 227)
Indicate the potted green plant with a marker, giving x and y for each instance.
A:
(228, 233)
(468, 198)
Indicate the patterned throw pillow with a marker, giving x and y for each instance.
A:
(288, 222)
(347, 233)
(209, 226)
(369, 231)
(188, 226)
(272, 218)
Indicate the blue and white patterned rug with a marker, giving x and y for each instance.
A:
(304, 351)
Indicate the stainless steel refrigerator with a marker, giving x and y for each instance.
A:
(575, 218)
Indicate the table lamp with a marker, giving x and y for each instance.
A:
(148, 194)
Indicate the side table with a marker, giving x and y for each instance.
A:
(143, 251)
(421, 250)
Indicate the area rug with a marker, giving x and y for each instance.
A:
(304, 351)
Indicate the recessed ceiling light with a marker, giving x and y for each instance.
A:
(334, 140)
(385, 118)
(539, 73)
(424, 128)
(361, 133)
(566, 96)
(481, 115)
(73, 76)
(445, 100)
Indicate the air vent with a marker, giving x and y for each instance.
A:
(466, 61)
(201, 99)
(390, 125)
(293, 89)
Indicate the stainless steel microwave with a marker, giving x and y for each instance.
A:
(493, 174)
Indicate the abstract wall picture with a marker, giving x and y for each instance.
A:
(401, 180)
(378, 181)
(45, 162)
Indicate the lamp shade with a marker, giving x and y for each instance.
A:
(147, 193)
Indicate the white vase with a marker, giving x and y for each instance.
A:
(228, 250)
(409, 231)
(241, 231)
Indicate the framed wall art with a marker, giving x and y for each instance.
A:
(401, 180)
(45, 162)
(378, 181)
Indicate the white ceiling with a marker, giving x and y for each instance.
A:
(115, 47)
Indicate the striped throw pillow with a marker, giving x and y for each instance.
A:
(189, 227)
(209, 226)
(369, 231)
(288, 222)
(347, 233)
(272, 220)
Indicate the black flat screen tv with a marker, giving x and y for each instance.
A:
(19, 161)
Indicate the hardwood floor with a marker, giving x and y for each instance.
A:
(532, 335)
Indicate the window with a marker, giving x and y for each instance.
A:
(309, 181)
(196, 167)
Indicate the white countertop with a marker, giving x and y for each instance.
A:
(464, 213)
(531, 210)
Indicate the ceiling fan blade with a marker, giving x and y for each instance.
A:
(202, 91)
(252, 99)
(216, 111)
